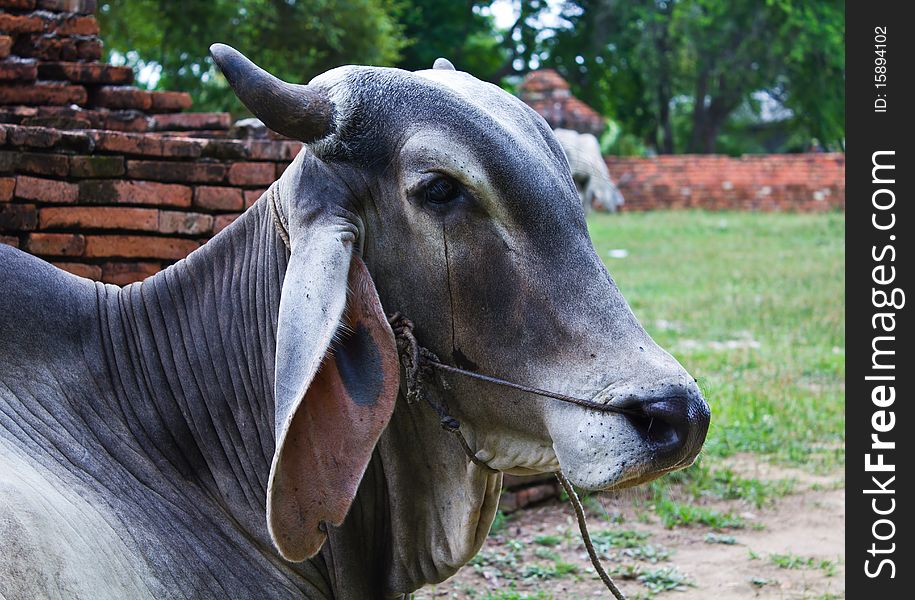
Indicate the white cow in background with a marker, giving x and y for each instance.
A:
(589, 171)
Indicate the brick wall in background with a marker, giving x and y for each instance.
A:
(772, 182)
(101, 178)
(118, 206)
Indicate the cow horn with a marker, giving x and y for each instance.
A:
(300, 112)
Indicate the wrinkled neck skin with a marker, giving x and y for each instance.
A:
(192, 353)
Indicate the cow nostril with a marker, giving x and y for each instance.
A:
(668, 424)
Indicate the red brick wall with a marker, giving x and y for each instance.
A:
(773, 182)
(101, 178)
(118, 206)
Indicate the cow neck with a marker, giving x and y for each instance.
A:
(191, 351)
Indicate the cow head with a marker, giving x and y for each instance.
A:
(459, 201)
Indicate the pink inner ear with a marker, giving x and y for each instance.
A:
(333, 433)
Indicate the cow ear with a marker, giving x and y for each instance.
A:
(336, 384)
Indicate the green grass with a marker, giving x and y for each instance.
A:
(548, 540)
(702, 481)
(656, 580)
(753, 305)
(605, 540)
(793, 561)
(680, 514)
(720, 538)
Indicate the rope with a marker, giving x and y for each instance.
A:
(586, 537)
(418, 362)
(420, 357)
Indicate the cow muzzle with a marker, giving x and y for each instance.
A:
(672, 423)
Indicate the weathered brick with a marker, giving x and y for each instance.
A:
(127, 143)
(251, 173)
(56, 244)
(225, 149)
(76, 141)
(18, 217)
(16, 24)
(18, 4)
(18, 69)
(79, 72)
(93, 167)
(95, 118)
(169, 101)
(10, 240)
(223, 221)
(73, 24)
(280, 168)
(45, 46)
(121, 97)
(38, 164)
(184, 171)
(126, 120)
(45, 190)
(42, 93)
(139, 246)
(6, 44)
(218, 198)
(185, 223)
(114, 191)
(182, 148)
(99, 217)
(123, 273)
(57, 122)
(192, 121)
(252, 196)
(7, 186)
(8, 161)
(87, 49)
(275, 150)
(93, 272)
(146, 145)
(35, 137)
(70, 6)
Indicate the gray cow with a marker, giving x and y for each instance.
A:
(589, 171)
(234, 426)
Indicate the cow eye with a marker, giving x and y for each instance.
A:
(442, 190)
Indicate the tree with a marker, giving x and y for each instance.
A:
(675, 75)
(293, 39)
(458, 31)
(641, 61)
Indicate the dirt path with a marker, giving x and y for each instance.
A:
(792, 549)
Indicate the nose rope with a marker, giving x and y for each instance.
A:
(420, 357)
(418, 363)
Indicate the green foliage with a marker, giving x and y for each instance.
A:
(556, 570)
(458, 31)
(679, 514)
(678, 73)
(793, 561)
(608, 539)
(294, 40)
(548, 540)
(701, 481)
(656, 580)
(673, 75)
(498, 523)
(720, 538)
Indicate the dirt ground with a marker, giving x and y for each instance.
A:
(793, 548)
